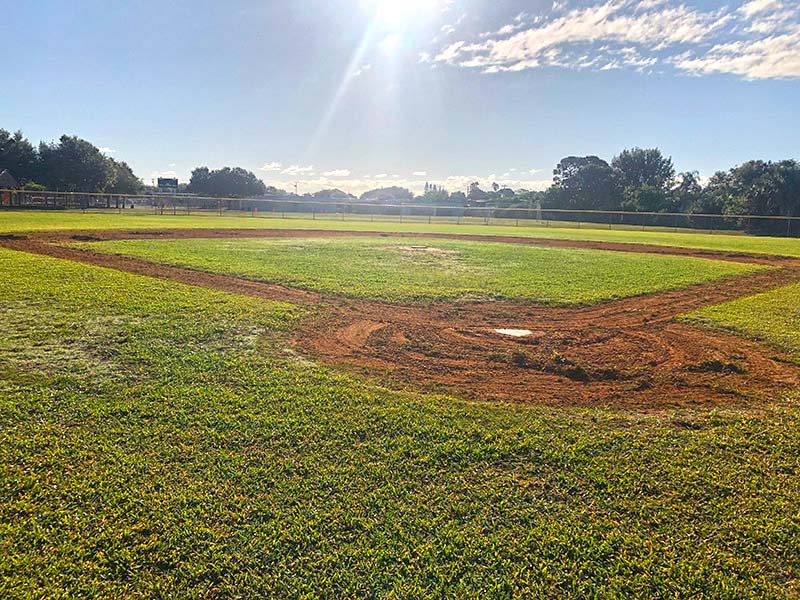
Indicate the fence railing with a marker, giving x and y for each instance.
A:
(355, 210)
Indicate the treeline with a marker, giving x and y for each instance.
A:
(637, 180)
(225, 183)
(69, 165)
(645, 180)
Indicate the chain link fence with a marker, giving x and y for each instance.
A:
(353, 210)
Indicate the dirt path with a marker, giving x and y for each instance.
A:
(150, 234)
(630, 352)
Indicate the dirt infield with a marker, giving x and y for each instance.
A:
(629, 352)
(150, 234)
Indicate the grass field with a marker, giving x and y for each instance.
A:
(386, 269)
(773, 317)
(156, 440)
(38, 221)
(162, 440)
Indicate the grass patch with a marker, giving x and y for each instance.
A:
(772, 317)
(392, 269)
(11, 221)
(204, 461)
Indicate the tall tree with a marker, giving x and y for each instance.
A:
(645, 166)
(226, 182)
(584, 182)
(647, 178)
(123, 180)
(17, 155)
(387, 194)
(73, 165)
(687, 193)
(756, 188)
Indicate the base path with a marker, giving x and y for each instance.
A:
(630, 352)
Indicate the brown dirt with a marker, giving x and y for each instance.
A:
(630, 352)
(149, 234)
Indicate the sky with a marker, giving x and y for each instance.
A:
(357, 94)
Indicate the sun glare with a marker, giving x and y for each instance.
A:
(396, 13)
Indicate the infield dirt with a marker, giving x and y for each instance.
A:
(629, 353)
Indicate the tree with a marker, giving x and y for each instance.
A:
(584, 182)
(647, 178)
(756, 188)
(639, 167)
(333, 194)
(17, 155)
(434, 194)
(688, 193)
(123, 180)
(73, 165)
(387, 194)
(226, 183)
(476, 194)
(717, 197)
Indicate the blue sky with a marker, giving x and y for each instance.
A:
(361, 93)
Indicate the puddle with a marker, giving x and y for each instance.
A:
(514, 332)
(416, 250)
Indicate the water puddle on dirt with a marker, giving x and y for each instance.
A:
(514, 332)
(420, 250)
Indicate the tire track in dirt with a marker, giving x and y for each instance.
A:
(630, 352)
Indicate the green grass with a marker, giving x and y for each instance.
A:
(157, 440)
(37, 221)
(773, 317)
(391, 269)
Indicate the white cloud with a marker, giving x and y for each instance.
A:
(297, 170)
(157, 174)
(758, 39)
(272, 166)
(773, 57)
(419, 173)
(338, 173)
(454, 183)
(451, 27)
(106, 150)
(360, 71)
(606, 22)
(758, 6)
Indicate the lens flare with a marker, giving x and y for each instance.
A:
(397, 13)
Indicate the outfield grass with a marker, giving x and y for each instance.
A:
(157, 440)
(393, 270)
(38, 221)
(773, 317)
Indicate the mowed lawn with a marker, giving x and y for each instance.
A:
(403, 270)
(22, 221)
(158, 440)
(773, 317)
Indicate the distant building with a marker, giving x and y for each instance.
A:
(7, 182)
